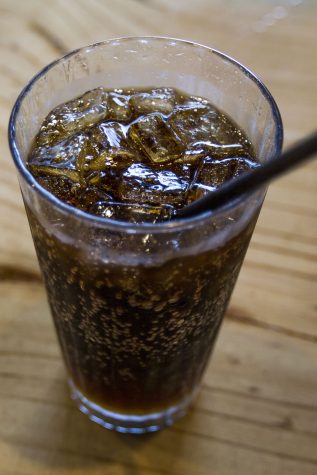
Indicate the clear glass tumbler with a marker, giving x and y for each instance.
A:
(137, 307)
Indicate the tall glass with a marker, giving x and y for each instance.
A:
(137, 307)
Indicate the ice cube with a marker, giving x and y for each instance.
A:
(63, 154)
(118, 107)
(156, 139)
(52, 171)
(196, 122)
(73, 116)
(214, 150)
(107, 135)
(133, 212)
(113, 149)
(213, 173)
(157, 100)
(142, 184)
(193, 122)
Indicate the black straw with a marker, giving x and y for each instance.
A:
(248, 182)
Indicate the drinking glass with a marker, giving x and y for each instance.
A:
(137, 307)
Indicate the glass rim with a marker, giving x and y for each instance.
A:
(172, 225)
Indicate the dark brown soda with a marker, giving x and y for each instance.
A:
(136, 337)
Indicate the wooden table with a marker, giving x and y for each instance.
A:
(257, 411)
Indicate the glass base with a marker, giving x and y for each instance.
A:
(129, 423)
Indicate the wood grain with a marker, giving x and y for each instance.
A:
(257, 410)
